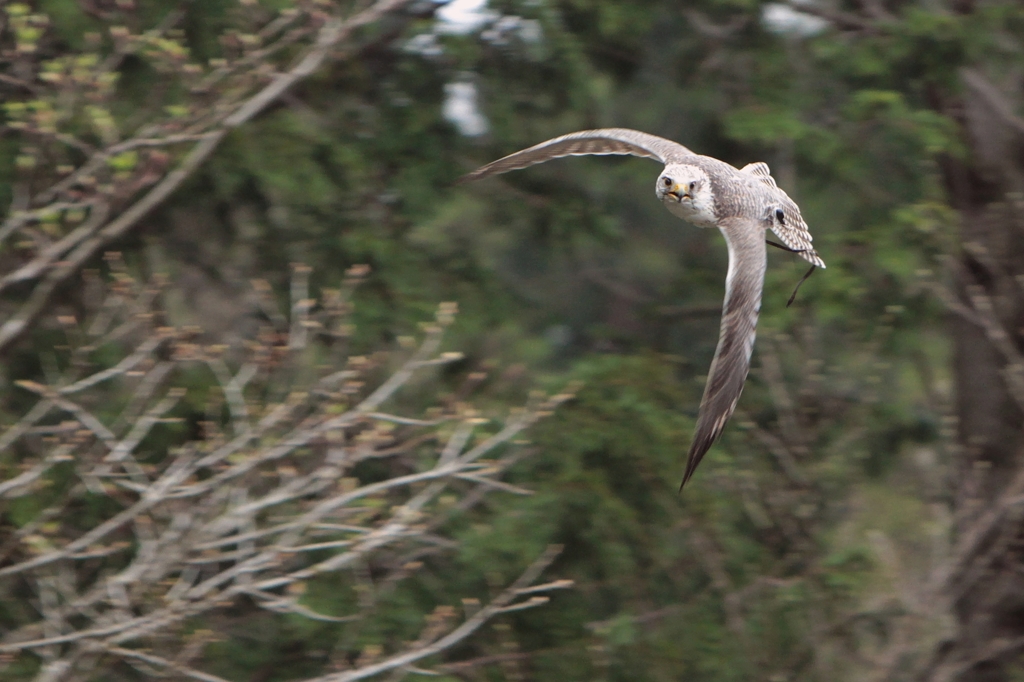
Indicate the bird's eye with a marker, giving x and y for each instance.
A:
(780, 216)
(693, 185)
(667, 181)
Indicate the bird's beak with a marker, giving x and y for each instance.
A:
(679, 193)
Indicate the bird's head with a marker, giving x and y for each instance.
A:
(686, 191)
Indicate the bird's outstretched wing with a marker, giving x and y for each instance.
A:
(792, 229)
(743, 285)
(584, 143)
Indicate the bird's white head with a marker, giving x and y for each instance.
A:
(686, 192)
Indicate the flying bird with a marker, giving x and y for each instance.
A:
(743, 203)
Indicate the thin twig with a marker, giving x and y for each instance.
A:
(498, 605)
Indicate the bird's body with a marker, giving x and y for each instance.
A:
(742, 203)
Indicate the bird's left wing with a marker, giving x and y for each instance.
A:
(585, 143)
(743, 285)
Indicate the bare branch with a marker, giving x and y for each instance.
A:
(246, 516)
(982, 88)
(55, 267)
(499, 604)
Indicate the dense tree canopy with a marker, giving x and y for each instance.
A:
(265, 192)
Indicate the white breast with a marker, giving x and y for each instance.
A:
(700, 213)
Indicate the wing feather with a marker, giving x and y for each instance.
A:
(792, 230)
(728, 373)
(584, 143)
(762, 172)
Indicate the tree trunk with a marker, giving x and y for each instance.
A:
(985, 585)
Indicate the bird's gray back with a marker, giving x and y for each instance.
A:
(737, 194)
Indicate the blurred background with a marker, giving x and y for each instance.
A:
(861, 516)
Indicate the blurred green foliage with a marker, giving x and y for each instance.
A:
(571, 270)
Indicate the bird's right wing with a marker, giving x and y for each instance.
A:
(585, 143)
(743, 285)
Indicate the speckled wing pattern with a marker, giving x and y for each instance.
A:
(743, 285)
(586, 143)
(792, 230)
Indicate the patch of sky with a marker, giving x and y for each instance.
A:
(462, 110)
(464, 17)
(787, 19)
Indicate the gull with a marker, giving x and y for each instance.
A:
(741, 202)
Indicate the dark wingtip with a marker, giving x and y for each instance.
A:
(482, 172)
(694, 457)
(686, 477)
